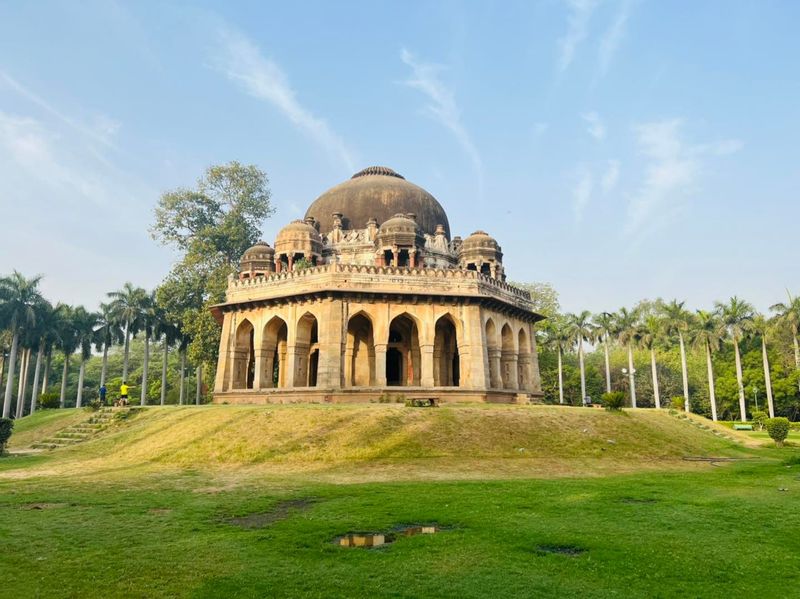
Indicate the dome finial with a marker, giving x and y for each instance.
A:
(377, 170)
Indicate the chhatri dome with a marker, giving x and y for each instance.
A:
(377, 192)
(368, 297)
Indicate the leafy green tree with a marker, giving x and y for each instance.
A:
(737, 316)
(677, 322)
(778, 429)
(544, 297)
(708, 333)
(212, 225)
(68, 342)
(648, 334)
(762, 326)
(557, 337)
(789, 315)
(45, 328)
(84, 323)
(107, 333)
(19, 298)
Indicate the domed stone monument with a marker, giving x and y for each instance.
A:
(369, 297)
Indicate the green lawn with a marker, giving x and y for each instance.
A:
(164, 531)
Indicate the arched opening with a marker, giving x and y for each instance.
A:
(404, 340)
(524, 360)
(359, 352)
(508, 358)
(244, 357)
(493, 353)
(306, 351)
(446, 364)
(471, 266)
(403, 259)
(486, 269)
(273, 351)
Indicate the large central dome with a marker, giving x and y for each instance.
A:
(380, 193)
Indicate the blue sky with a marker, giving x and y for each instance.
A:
(617, 149)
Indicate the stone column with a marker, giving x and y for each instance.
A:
(395, 255)
(222, 380)
(495, 369)
(290, 258)
(380, 364)
(510, 373)
(536, 380)
(278, 264)
(426, 378)
(472, 351)
(412, 258)
(331, 344)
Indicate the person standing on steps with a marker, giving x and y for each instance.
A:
(123, 393)
(103, 392)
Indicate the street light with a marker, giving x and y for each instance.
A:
(630, 374)
(755, 396)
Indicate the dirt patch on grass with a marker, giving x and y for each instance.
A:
(570, 550)
(159, 511)
(42, 506)
(280, 511)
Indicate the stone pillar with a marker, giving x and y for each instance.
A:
(278, 264)
(426, 378)
(395, 255)
(495, 368)
(290, 258)
(222, 380)
(509, 372)
(536, 379)
(412, 258)
(332, 335)
(380, 364)
(472, 354)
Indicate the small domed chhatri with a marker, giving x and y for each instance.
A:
(368, 296)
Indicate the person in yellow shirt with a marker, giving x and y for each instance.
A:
(123, 393)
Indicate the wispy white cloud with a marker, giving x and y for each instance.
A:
(612, 36)
(610, 176)
(581, 192)
(672, 171)
(241, 61)
(442, 106)
(594, 125)
(104, 127)
(579, 15)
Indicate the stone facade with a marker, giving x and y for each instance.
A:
(392, 309)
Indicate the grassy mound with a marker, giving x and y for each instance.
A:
(458, 441)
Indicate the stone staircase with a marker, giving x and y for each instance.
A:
(81, 431)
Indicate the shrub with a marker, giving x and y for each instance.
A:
(678, 403)
(6, 427)
(50, 401)
(94, 405)
(759, 419)
(778, 429)
(613, 400)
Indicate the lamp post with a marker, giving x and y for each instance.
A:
(755, 396)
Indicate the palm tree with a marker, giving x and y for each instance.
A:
(184, 344)
(737, 316)
(127, 305)
(168, 333)
(603, 331)
(677, 321)
(626, 327)
(648, 334)
(68, 342)
(107, 333)
(45, 326)
(18, 300)
(708, 333)
(626, 330)
(84, 324)
(789, 314)
(558, 338)
(762, 326)
(149, 320)
(580, 330)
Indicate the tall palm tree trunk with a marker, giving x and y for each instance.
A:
(64, 373)
(79, 401)
(654, 370)
(145, 364)
(127, 350)
(46, 378)
(630, 374)
(199, 384)
(684, 373)
(181, 396)
(796, 356)
(104, 369)
(164, 374)
(36, 373)
(712, 395)
(12, 363)
(3, 360)
(767, 377)
(560, 379)
(742, 406)
(608, 366)
(23, 381)
(583, 370)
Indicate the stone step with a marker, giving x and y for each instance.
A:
(71, 435)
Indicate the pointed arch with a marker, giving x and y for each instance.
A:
(508, 358)
(446, 363)
(273, 351)
(359, 351)
(403, 354)
(306, 351)
(493, 353)
(523, 359)
(244, 356)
